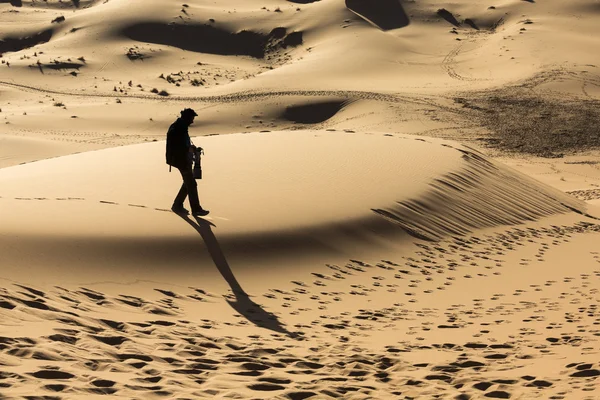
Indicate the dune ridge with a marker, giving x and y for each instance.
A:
(482, 194)
(111, 223)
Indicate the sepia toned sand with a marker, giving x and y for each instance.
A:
(404, 200)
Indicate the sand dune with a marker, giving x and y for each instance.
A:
(261, 213)
(404, 200)
(148, 332)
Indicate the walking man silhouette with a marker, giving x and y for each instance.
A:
(179, 154)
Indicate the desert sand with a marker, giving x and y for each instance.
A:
(404, 200)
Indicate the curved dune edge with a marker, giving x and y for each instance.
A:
(481, 194)
(289, 197)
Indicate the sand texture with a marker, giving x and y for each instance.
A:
(404, 200)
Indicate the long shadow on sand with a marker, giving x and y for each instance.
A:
(252, 311)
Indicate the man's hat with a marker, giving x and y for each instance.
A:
(188, 112)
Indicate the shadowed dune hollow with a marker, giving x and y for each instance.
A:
(385, 14)
(212, 40)
(313, 113)
(11, 44)
(14, 3)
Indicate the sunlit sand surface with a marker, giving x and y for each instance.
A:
(403, 200)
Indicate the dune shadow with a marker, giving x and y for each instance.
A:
(386, 14)
(199, 38)
(471, 23)
(313, 113)
(10, 44)
(252, 311)
(63, 65)
(206, 38)
(448, 16)
(482, 194)
(14, 3)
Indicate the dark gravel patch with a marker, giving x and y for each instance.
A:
(543, 125)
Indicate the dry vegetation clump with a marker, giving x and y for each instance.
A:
(538, 125)
(160, 92)
(134, 54)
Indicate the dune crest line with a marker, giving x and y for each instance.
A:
(247, 95)
(482, 194)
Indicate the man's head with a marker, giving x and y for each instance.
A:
(188, 115)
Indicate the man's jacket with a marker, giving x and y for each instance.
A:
(178, 144)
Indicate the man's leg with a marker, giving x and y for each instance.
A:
(190, 188)
(180, 198)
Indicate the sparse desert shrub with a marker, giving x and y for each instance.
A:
(163, 93)
(134, 54)
(154, 90)
(59, 104)
(119, 101)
